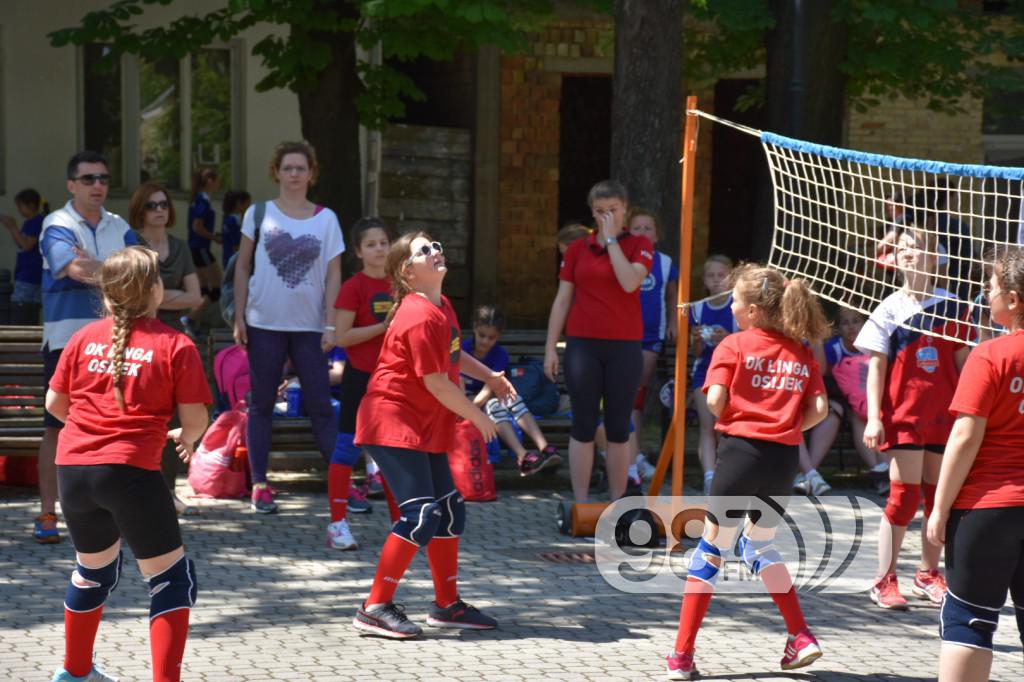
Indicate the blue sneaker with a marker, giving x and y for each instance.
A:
(95, 675)
(45, 531)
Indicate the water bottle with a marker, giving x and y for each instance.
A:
(293, 395)
(238, 461)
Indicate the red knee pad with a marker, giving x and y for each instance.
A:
(928, 492)
(904, 499)
(641, 399)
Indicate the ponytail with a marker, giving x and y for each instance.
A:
(802, 315)
(787, 306)
(119, 336)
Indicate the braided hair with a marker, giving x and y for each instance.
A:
(126, 280)
(398, 260)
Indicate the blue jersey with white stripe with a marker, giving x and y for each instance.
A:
(704, 314)
(652, 297)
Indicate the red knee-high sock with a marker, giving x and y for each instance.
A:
(394, 560)
(779, 583)
(79, 637)
(696, 600)
(443, 554)
(392, 505)
(167, 635)
(339, 480)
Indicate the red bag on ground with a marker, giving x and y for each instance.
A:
(211, 472)
(19, 471)
(471, 470)
(231, 372)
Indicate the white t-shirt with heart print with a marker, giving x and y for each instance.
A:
(286, 291)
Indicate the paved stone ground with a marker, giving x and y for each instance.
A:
(275, 604)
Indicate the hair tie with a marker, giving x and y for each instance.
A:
(785, 283)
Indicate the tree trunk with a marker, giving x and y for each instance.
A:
(647, 107)
(330, 123)
(805, 90)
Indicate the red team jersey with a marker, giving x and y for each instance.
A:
(370, 299)
(770, 377)
(600, 308)
(922, 372)
(992, 386)
(398, 410)
(162, 369)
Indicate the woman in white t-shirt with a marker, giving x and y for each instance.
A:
(286, 279)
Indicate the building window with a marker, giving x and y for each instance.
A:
(162, 119)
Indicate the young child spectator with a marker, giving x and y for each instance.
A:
(570, 233)
(911, 379)
(979, 500)
(484, 345)
(236, 202)
(761, 416)
(841, 361)
(661, 323)
(116, 385)
(27, 295)
(202, 221)
(710, 322)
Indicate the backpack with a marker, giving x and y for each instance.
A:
(471, 469)
(227, 284)
(213, 470)
(231, 373)
(536, 390)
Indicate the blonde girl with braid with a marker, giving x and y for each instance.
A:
(406, 422)
(116, 386)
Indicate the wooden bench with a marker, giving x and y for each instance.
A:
(21, 390)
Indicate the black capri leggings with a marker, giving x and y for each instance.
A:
(748, 467)
(105, 502)
(597, 369)
(412, 474)
(353, 390)
(985, 555)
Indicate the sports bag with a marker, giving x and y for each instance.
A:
(471, 469)
(231, 373)
(536, 390)
(210, 473)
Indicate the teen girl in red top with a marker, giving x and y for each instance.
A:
(598, 305)
(117, 384)
(362, 307)
(911, 379)
(406, 422)
(765, 388)
(979, 501)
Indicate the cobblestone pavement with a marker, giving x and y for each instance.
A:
(276, 604)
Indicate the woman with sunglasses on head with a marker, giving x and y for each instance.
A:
(151, 214)
(406, 422)
(287, 277)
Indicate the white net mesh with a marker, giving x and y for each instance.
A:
(848, 223)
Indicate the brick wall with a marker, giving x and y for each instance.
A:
(904, 127)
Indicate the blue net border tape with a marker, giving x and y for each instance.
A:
(894, 162)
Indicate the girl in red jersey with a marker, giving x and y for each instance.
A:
(911, 379)
(979, 501)
(406, 422)
(361, 309)
(765, 388)
(117, 384)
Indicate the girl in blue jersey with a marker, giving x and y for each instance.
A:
(710, 322)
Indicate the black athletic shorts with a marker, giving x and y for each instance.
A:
(50, 359)
(936, 448)
(353, 388)
(104, 502)
(748, 467)
(202, 257)
(985, 555)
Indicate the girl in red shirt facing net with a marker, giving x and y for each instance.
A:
(765, 388)
(116, 386)
(979, 499)
(406, 422)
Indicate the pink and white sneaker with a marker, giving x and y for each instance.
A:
(801, 649)
(680, 666)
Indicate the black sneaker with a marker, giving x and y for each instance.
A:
(387, 620)
(531, 463)
(551, 459)
(460, 615)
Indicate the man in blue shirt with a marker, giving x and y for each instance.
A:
(74, 242)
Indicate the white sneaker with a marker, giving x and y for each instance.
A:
(800, 485)
(339, 536)
(645, 468)
(817, 484)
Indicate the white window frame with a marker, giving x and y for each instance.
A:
(130, 118)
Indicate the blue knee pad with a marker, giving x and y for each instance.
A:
(90, 587)
(967, 624)
(417, 520)
(453, 515)
(758, 554)
(700, 567)
(345, 451)
(173, 589)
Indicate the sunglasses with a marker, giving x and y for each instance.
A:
(157, 205)
(426, 250)
(90, 180)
